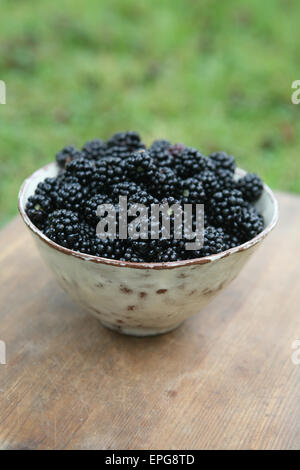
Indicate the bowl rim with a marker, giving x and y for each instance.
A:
(128, 264)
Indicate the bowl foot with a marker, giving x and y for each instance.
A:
(139, 331)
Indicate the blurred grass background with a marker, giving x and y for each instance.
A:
(212, 74)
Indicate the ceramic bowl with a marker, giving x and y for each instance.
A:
(143, 298)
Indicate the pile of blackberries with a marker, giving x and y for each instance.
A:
(64, 208)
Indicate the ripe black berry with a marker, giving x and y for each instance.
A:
(168, 255)
(37, 208)
(251, 224)
(80, 168)
(231, 240)
(225, 208)
(161, 155)
(223, 161)
(140, 167)
(130, 141)
(94, 149)
(251, 187)
(192, 191)
(141, 196)
(107, 248)
(213, 242)
(66, 155)
(191, 162)
(90, 207)
(70, 195)
(63, 227)
(166, 183)
(125, 188)
(107, 173)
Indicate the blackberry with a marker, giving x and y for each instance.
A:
(176, 150)
(147, 250)
(159, 151)
(225, 179)
(66, 155)
(251, 187)
(94, 149)
(168, 255)
(82, 169)
(129, 140)
(210, 182)
(230, 241)
(141, 196)
(37, 208)
(118, 249)
(216, 180)
(223, 161)
(107, 172)
(166, 183)
(140, 167)
(192, 191)
(70, 195)
(104, 248)
(63, 227)
(170, 200)
(225, 208)
(117, 151)
(213, 242)
(191, 162)
(47, 187)
(125, 188)
(141, 250)
(107, 248)
(140, 247)
(85, 240)
(130, 255)
(252, 223)
(90, 207)
(180, 246)
(166, 248)
(138, 251)
(160, 144)
(64, 178)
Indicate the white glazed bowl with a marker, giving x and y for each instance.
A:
(143, 298)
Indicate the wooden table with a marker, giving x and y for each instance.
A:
(223, 380)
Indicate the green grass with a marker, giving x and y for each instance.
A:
(215, 75)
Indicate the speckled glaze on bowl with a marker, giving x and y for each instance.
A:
(143, 298)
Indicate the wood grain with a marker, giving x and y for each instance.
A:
(224, 380)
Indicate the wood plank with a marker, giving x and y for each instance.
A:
(225, 379)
